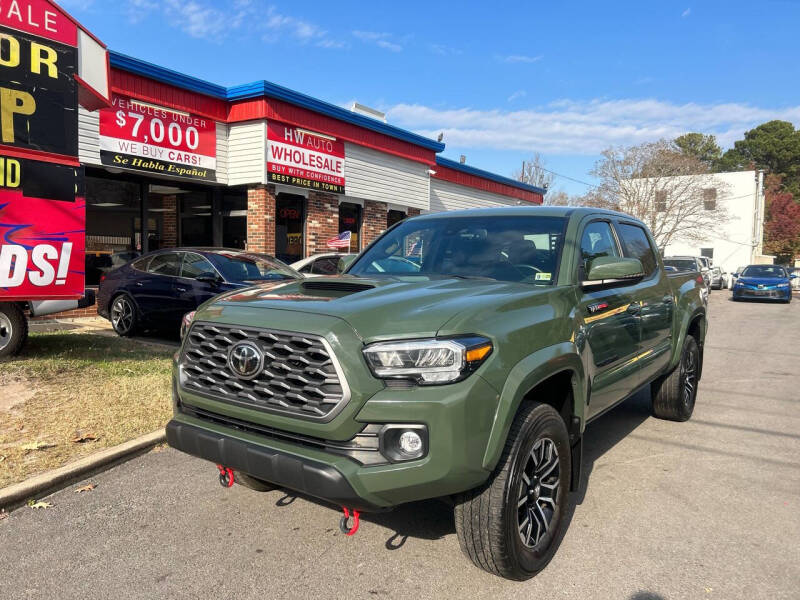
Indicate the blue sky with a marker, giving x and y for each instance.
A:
(501, 79)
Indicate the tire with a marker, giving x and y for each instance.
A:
(257, 485)
(674, 395)
(490, 521)
(13, 329)
(123, 316)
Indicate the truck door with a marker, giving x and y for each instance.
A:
(610, 323)
(653, 294)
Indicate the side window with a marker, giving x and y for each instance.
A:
(326, 266)
(597, 241)
(141, 264)
(636, 245)
(195, 265)
(168, 263)
(307, 268)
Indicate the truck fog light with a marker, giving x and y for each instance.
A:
(399, 443)
(410, 442)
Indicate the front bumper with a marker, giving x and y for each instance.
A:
(458, 417)
(298, 473)
(754, 294)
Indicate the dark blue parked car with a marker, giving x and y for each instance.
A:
(765, 282)
(157, 289)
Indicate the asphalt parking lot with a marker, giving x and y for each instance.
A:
(705, 509)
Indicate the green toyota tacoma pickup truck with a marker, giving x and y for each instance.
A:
(460, 356)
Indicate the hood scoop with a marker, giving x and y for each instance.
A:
(348, 287)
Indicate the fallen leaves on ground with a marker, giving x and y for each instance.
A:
(3, 515)
(37, 446)
(82, 438)
(2, 458)
(86, 488)
(39, 504)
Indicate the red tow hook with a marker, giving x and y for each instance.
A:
(225, 476)
(344, 523)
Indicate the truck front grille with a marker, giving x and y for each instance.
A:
(299, 376)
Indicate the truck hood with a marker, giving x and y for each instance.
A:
(380, 308)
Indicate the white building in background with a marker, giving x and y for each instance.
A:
(739, 242)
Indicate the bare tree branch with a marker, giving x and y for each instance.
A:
(533, 172)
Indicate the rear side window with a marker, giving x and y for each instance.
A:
(141, 264)
(636, 245)
(195, 265)
(326, 266)
(165, 264)
(597, 242)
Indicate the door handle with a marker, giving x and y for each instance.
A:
(181, 289)
(635, 308)
(139, 284)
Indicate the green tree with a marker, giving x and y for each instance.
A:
(773, 146)
(700, 146)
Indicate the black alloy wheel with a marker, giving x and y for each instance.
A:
(538, 494)
(123, 316)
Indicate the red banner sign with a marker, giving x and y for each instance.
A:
(304, 158)
(41, 18)
(145, 137)
(42, 250)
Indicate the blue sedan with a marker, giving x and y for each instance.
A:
(763, 282)
(157, 289)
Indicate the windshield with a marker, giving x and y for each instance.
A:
(764, 271)
(240, 267)
(524, 249)
(682, 264)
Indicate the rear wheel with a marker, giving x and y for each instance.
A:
(512, 525)
(123, 316)
(13, 329)
(674, 395)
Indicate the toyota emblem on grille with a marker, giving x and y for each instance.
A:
(246, 360)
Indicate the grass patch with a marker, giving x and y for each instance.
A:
(67, 385)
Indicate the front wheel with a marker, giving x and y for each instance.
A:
(13, 329)
(674, 395)
(512, 525)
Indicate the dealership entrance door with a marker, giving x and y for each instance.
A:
(289, 219)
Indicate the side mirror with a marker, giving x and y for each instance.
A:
(735, 274)
(610, 268)
(345, 262)
(209, 278)
(794, 276)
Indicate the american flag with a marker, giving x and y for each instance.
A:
(340, 241)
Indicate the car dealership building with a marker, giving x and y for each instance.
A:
(177, 161)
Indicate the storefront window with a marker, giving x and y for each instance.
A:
(196, 222)
(394, 216)
(350, 220)
(289, 227)
(113, 228)
(234, 219)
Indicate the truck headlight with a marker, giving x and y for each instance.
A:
(428, 362)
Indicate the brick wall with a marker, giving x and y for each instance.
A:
(374, 224)
(413, 212)
(322, 221)
(261, 219)
(169, 231)
(70, 314)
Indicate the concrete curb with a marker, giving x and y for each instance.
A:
(14, 495)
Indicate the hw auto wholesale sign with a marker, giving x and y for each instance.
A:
(144, 137)
(304, 158)
(42, 213)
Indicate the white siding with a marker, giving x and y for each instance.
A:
(451, 196)
(222, 153)
(247, 152)
(738, 242)
(89, 137)
(382, 177)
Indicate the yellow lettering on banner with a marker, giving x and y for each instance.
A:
(13, 102)
(10, 172)
(13, 51)
(43, 55)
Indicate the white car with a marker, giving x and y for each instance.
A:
(319, 264)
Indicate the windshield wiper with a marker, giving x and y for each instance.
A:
(478, 277)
